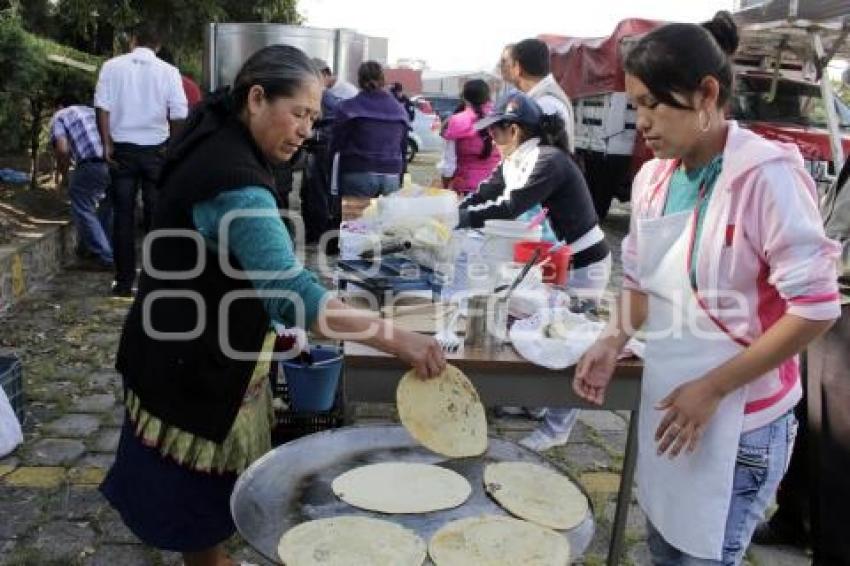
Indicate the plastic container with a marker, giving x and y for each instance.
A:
(12, 382)
(312, 387)
(500, 236)
(556, 270)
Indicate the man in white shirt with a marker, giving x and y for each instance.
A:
(528, 67)
(139, 101)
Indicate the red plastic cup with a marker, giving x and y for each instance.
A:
(556, 265)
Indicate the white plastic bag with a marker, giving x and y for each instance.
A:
(10, 429)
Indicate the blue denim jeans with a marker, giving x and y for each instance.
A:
(763, 456)
(86, 191)
(368, 184)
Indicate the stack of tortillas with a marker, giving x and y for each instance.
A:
(400, 487)
(536, 493)
(492, 540)
(445, 413)
(351, 541)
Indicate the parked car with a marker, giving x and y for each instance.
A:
(424, 134)
(443, 105)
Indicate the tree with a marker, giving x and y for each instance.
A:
(34, 72)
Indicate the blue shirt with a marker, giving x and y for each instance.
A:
(262, 244)
(78, 124)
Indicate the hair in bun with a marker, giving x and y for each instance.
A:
(675, 58)
(724, 30)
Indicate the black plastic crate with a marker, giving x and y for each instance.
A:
(290, 425)
(12, 382)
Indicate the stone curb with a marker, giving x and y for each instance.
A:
(26, 265)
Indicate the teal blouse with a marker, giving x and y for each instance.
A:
(261, 243)
(683, 195)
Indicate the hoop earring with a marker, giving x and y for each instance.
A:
(707, 126)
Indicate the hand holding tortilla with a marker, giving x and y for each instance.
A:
(443, 413)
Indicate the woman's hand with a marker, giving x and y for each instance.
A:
(595, 370)
(420, 351)
(689, 409)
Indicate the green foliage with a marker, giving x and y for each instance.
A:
(31, 79)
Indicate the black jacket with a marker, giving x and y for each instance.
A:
(193, 383)
(555, 182)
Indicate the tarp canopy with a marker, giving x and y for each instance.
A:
(585, 66)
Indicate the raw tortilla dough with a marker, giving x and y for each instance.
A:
(351, 541)
(401, 487)
(536, 493)
(492, 540)
(443, 413)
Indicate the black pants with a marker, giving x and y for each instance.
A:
(137, 166)
(829, 427)
(317, 205)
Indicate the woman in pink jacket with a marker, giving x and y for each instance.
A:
(470, 156)
(728, 274)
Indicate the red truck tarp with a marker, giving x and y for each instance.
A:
(585, 66)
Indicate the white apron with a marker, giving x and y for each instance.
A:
(687, 499)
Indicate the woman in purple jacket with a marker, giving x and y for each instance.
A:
(369, 137)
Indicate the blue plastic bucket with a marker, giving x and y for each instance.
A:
(312, 388)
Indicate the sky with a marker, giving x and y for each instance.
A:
(468, 35)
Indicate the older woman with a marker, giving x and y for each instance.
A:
(220, 270)
(369, 138)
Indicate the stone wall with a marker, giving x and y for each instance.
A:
(26, 264)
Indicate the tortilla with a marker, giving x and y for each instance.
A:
(536, 493)
(399, 487)
(492, 540)
(351, 541)
(444, 413)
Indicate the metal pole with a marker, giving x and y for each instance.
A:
(828, 102)
(624, 497)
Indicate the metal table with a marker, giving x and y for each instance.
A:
(502, 377)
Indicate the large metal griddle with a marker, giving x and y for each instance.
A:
(292, 484)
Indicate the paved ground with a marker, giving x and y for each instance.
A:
(51, 511)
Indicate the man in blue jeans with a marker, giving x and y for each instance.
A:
(75, 139)
(139, 100)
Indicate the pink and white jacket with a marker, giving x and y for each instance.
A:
(471, 169)
(762, 253)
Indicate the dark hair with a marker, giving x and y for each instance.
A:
(166, 55)
(477, 93)
(279, 69)
(66, 100)
(147, 34)
(370, 76)
(396, 87)
(675, 58)
(551, 130)
(532, 55)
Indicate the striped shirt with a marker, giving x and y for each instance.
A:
(78, 125)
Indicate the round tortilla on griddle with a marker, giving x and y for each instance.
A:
(492, 540)
(402, 487)
(351, 541)
(536, 493)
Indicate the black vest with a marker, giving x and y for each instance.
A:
(191, 382)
